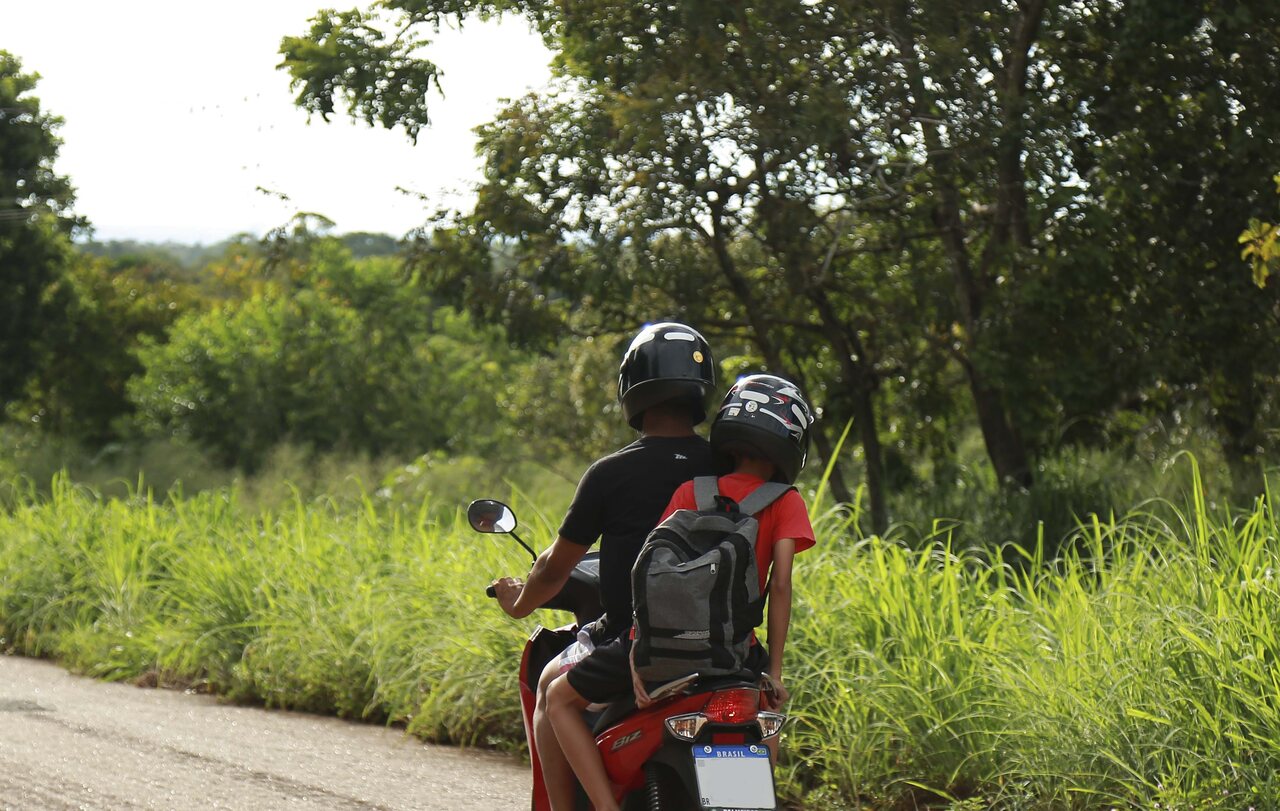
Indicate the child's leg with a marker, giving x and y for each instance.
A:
(602, 676)
(557, 774)
(565, 706)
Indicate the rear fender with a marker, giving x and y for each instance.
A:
(627, 745)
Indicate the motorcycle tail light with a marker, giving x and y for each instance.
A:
(686, 727)
(770, 723)
(732, 707)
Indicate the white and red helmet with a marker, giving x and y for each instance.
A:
(765, 415)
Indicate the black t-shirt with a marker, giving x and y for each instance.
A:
(620, 499)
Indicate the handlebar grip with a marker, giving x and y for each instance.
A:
(491, 592)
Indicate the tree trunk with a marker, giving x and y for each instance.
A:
(1004, 446)
(1236, 418)
(862, 381)
(864, 415)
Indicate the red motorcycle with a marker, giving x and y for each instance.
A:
(699, 746)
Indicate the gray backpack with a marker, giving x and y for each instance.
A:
(695, 588)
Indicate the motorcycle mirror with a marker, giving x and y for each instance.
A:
(488, 515)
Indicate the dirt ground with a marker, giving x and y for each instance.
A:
(68, 742)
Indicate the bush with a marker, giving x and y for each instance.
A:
(349, 359)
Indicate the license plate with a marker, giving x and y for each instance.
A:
(734, 778)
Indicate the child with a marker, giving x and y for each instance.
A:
(763, 425)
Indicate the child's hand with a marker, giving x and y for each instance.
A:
(774, 693)
(637, 684)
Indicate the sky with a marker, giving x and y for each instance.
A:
(175, 115)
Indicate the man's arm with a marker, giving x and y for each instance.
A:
(549, 573)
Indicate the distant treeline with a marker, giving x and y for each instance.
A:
(191, 257)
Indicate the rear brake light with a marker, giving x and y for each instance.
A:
(732, 706)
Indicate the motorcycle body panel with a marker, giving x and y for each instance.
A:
(543, 644)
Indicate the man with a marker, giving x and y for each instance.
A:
(663, 383)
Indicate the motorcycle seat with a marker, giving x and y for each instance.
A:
(746, 681)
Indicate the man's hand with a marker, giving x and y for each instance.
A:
(508, 591)
(549, 574)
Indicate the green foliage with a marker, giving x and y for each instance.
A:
(339, 354)
(167, 258)
(363, 244)
(78, 390)
(180, 259)
(564, 405)
(34, 256)
(31, 460)
(338, 41)
(1261, 241)
(68, 323)
(34, 225)
(196, 592)
(28, 183)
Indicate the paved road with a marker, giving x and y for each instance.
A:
(72, 743)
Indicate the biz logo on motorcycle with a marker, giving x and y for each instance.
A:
(626, 739)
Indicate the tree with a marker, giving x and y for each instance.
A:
(1183, 116)
(35, 222)
(672, 123)
(326, 352)
(1027, 158)
(78, 388)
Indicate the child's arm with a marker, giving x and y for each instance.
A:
(784, 551)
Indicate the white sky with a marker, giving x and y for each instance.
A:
(175, 114)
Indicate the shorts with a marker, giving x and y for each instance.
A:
(605, 673)
(578, 650)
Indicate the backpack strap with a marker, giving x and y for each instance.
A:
(705, 490)
(763, 496)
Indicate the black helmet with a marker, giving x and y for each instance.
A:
(768, 416)
(666, 361)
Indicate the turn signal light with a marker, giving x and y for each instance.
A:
(686, 727)
(770, 723)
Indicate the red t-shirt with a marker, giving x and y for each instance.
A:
(785, 518)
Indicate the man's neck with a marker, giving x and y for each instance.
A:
(661, 424)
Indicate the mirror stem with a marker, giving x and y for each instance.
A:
(528, 548)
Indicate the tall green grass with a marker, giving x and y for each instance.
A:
(1138, 670)
(366, 613)
(1138, 667)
